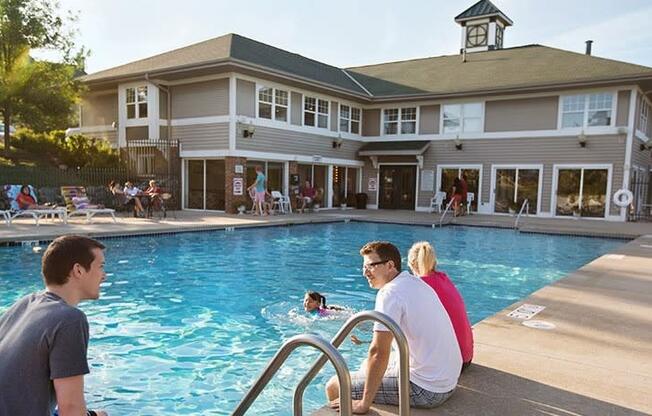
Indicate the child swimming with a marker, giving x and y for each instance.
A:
(315, 303)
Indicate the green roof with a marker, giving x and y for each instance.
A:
(398, 147)
(483, 8)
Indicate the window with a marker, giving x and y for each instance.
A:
(586, 110)
(458, 118)
(499, 37)
(137, 102)
(643, 116)
(476, 35)
(272, 101)
(315, 109)
(349, 119)
(406, 117)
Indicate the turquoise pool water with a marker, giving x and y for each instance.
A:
(186, 322)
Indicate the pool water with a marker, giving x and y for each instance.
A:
(187, 322)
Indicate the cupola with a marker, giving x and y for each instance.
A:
(483, 27)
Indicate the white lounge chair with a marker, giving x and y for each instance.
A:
(12, 191)
(6, 216)
(72, 193)
(470, 197)
(437, 201)
(282, 203)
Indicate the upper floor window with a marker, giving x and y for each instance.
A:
(405, 117)
(476, 35)
(349, 119)
(137, 102)
(273, 101)
(315, 112)
(462, 118)
(499, 36)
(644, 115)
(586, 110)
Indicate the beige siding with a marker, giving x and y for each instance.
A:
(137, 133)
(213, 136)
(641, 158)
(297, 109)
(522, 114)
(622, 111)
(246, 98)
(546, 151)
(273, 140)
(200, 99)
(99, 110)
(371, 122)
(162, 104)
(335, 113)
(429, 119)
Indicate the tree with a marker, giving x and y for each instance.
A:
(38, 94)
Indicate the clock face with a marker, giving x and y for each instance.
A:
(476, 35)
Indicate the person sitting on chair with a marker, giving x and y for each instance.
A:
(307, 196)
(133, 192)
(154, 193)
(25, 200)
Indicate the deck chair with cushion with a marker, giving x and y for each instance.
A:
(77, 203)
(12, 191)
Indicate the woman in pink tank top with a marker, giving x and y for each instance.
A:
(422, 262)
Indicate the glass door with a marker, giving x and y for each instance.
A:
(205, 185)
(195, 185)
(397, 187)
(215, 188)
(513, 186)
(339, 189)
(470, 175)
(582, 192)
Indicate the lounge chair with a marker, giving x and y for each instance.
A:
(6, 216)
(76, 201)
(12, 192)
(281, 202)
(437, 201)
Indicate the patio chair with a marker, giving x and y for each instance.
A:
(437, 201)
(470, 197)
(11, 191)
(282, 202)
(76, 201)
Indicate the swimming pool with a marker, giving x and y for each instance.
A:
(186, 322)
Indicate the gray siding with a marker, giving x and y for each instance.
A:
(335, 114)
(546, 151)
(245, 98)
(522, 114)
(213, 136)
(297, 109)
(429, 119)
(274, 140)
(162, 104)
(622, 111)
(99, 110)
(200, 99)
(137, 133)
(640, 157)
(371, 122)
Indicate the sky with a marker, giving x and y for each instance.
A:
(354, 33)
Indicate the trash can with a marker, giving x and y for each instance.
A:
(361, 200)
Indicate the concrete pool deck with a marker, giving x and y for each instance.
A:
(596, 361)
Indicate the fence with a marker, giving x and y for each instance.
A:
(55, 177)
(641, 207)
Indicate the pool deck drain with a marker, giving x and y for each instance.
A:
(597, 360)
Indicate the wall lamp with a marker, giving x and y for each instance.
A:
(338, 143)
(248, 131)
(581, 139)
(646, 146)
(458, 143)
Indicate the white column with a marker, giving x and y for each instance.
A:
(122, 117)
(491, 40)
(153, 111)
(232, 112)
(629, 143)
(329, 175)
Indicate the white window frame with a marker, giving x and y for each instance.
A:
(350, 120)
(585, 116)
(555, 183)
(517, 167)
(643, 115)
(460, 168)
(136, 103)
(400, 120)
(462, 117)
(316, 112)
(273, 103)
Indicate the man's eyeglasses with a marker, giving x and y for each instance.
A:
(370, 266)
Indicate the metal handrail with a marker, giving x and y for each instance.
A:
(404, 360)
(329, 352)
(448, 207)
(525, 205)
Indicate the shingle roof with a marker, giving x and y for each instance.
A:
(408, 147)
(526, 66)
(480, 9)
(236, 47)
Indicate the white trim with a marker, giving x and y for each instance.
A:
(276, 157)
(184, 166)
(517, 167)
(329, 185)
(262, 122)
(641, 136)
(97, 129)
(416, 194)
(317, 98)
(153, 112)
(629, 144)
(232, 112)
(191, 121)
(585, 118)
(460, 167)
(399, 121)
(582, 167)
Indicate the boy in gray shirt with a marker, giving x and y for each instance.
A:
(44, 337)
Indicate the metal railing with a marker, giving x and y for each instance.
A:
(525, 205)
(404, 360)
(331, 353)
(448, 208)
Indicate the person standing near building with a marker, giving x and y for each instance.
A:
(464, 189)
(44, 337)
(259, 191)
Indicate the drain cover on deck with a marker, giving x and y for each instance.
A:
(539, 324)
(526, 311)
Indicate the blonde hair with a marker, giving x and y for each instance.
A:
(421, 258)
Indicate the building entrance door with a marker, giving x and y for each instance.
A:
(397, 187)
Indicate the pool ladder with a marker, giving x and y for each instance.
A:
(330, 353)
(524, 206)
(448, 208)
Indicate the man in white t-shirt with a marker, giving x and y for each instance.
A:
(435, 357)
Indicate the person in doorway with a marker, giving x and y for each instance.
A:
(307, 196)
(44, 337)
(456, 193)
(259, 191)
(423, 262)
(464, 189)
(435, 359)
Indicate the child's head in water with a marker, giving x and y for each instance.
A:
(313, 301)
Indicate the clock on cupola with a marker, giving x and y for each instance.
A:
(483, 27)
